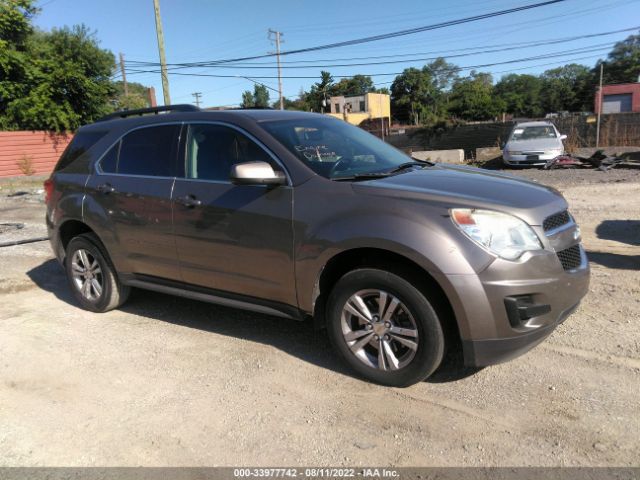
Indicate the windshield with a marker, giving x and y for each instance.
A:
(533, 133)
(334, 149)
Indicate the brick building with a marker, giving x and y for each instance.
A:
(621, 98)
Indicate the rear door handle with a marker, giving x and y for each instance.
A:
(189, 201)
(105, 188)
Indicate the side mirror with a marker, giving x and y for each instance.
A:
(256, 173)
(502, 145)
(563, 137)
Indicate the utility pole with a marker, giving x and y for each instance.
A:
(124, 75)
(197, 96)
(599, 107)
(163, 60)
(276, 37)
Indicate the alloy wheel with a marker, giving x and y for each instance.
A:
(87, 274)
(379, 329)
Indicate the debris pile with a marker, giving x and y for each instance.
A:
(599, 160)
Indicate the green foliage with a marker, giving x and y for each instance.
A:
(54, 80)
(15, 21)
(566, 88)
(319, 92)
(260, 96)
(411, 93)
(521, 94)
(258, 99)
(138, 96)
(472, 98)
(623, 62)
(356, 85)
(247, 100)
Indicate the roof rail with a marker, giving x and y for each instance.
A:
(154, 110)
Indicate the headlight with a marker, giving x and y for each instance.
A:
(505, 235)
(555, 151)
(514, 152)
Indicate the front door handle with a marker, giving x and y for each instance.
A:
(189, 201)
(105, 188)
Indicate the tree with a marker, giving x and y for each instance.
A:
(443, 75)
(319, 92)
(54, 80)
(411, 91)
(356, 85)
(258, 99)
(472, 98)
(623, 62)
(260, 96)
(138, 96)
(247, 100)
(521, 94)
(566, 88)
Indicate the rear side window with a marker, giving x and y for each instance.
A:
(82, 142)
(148, 151)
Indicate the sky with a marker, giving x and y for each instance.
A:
(207, 30)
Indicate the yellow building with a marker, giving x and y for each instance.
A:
(356, 109)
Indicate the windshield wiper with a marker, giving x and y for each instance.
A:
(363, 176)
(387, 173)
(408, 165)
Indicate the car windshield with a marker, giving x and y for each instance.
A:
(334, 149)
(533, 133)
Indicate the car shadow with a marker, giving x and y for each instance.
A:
(624, 231)
(299, 339)
(615, 260)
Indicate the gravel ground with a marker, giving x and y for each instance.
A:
(169, 382)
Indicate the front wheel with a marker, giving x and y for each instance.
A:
(384, 327)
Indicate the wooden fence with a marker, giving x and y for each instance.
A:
(30, 153)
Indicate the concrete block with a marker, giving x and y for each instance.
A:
(487, 153)
(443, 156)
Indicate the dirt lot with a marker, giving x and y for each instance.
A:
(167, 381)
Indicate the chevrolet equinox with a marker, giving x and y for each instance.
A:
(302, 216)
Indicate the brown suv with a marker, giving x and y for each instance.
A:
(303, 216)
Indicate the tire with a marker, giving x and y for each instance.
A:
(412, 332)
(87, 248)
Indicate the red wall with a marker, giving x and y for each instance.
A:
(632, 88)
(44, 149)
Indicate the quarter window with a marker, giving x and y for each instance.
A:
(109, 162)
(148, 151)
(82, 141)
(213, 149)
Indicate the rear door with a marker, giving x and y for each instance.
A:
(233, 238)
(132, 188)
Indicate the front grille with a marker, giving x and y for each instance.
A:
(556, 220)
(570, 257)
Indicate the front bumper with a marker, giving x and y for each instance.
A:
(528, 159)
(490, 334)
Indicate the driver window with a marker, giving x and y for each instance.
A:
(213, 149)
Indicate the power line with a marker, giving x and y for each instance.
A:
(396, 34)
(474, 51)
(457, 68)
(505, 47)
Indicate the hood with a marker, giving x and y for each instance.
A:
(470, 187)
(534, 144)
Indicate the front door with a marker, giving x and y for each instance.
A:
(233, 238)
(132, 186)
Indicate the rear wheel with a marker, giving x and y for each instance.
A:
(91, 276)
(384, 327)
